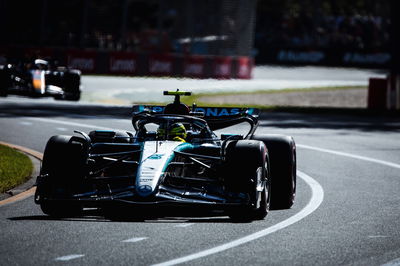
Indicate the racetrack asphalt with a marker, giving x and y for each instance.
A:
(352, 158)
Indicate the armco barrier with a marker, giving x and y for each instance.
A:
(143, 64)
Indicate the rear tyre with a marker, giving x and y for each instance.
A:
(70, 97)
(71, 85)
(62, 173)
(247, 168)
(73, 97)
(282, 154)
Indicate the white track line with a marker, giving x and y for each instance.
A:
(315, 201)
(25, 123)
(69, 257)
(184, 225)
(394, 165)
(134, 239)
(395, 262)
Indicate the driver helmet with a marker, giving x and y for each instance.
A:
(177, 132)
(41, 64)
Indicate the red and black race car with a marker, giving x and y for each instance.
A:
(38, 79)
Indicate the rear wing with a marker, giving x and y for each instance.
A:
(204, 112)
(216, 117)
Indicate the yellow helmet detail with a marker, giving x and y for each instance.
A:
(177, 130)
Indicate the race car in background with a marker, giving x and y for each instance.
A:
(38, 79)
(137, 173)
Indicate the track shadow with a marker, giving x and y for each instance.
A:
(362, 120)
(285, 117)
(98, 216)
(43, 109)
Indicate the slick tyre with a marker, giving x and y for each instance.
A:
(62, 173)
(247, 168)
(283, 165)
(73, 97)
(72, 81)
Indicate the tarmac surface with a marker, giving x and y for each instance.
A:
(346, 210)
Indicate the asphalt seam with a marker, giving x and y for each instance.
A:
(31, 191)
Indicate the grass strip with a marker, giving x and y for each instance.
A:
(15, 168)
(196, 98)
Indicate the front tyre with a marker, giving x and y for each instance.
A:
(62, 174)
(57, 209)
(68, 97)
(247, 173)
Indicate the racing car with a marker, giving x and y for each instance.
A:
(177, 156)
(39, 78)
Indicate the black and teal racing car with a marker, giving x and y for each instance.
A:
(239, 175)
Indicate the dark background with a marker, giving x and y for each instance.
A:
(324, 32)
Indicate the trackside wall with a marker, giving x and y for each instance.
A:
(144, 64)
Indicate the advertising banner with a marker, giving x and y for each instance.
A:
(244, 67)
(161, 65)
(222, 67)
(328, 57)
(82, 60)
(123, 63)
(193, 66)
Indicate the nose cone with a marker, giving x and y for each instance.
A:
(144, 190)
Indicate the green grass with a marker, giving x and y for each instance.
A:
(196, 98)
(15, 168)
